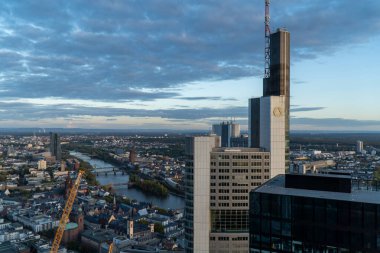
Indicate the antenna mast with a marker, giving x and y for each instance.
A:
(267, 40)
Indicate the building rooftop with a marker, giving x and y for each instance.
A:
(277, 186)
(71, 225)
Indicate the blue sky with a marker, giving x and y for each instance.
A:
(184, 64)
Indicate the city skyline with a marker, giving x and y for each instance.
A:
(183, 65)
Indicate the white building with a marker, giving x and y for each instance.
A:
(359, 147)
(41, 165)
(197, 185)
(37, 223)
(272, 131)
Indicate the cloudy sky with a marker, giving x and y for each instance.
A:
(178, 64)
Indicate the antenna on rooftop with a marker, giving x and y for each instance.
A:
(267, 40)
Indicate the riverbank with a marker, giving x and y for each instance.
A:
(172, 201)
(148, 186)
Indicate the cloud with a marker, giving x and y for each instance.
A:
(335, 122)
(28, 111)
(206, 98)
(112, 50)
(305, 109)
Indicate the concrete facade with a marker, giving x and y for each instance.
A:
(197, 194)
(272, 131)
(234, 173)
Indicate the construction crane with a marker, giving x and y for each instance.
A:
(267, 40)
(110, 248)
(65, 214)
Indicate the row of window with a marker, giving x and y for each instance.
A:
(225, 157)
(222, 238)
(239, 170)
(239, 164)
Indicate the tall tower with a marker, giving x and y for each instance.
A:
(278, 83)
(197, 193)
(55, 146)
(226, 131)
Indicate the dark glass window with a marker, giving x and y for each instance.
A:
(356, 215)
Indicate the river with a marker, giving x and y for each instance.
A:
(172, 201)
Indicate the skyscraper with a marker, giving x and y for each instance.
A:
(55, 146)
(277, 84)
(197, 193)
(359, 147)
(226, 130)
(218, 181)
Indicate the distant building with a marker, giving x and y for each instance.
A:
(41, 164)
(55, 146)
(240, 142)
(132, 155)
(37, 223)
(314, 213)
(359, 147)
(226, 131)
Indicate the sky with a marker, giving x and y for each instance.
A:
(177, 64)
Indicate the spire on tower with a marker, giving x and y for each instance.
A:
(267, 40)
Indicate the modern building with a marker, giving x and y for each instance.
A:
(272, 131)
(277, 84)
(254, 122)
(359, 147)
(197, 193)
(240, 142)
(234, 172)
(218, 181)
(315, 213)
(55, 146)
(226, 131)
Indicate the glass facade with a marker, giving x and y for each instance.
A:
(280, 223)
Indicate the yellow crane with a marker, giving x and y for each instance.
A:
(65, 214)
(110, 248)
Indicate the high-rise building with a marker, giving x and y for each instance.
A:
(226, 130)
(277, 84)
(55, 146)
(218, 181)
(272, 131)
(233, 173)
(254, 122)
(359, 147)
(197, 193)
(315, 213)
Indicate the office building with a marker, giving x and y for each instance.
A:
(315, 213)
(240, 142)
(233, 173)
(197, 192)
(277, 84)
(359, 147)
(55, 146)
(254, 122)
(272, 131)
(226, 130)
(218, 181)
